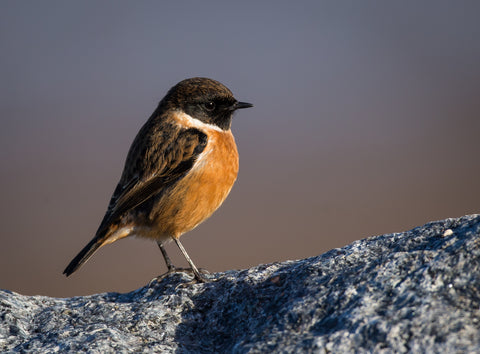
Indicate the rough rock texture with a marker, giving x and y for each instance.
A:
(417, 291)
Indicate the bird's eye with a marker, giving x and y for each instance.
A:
(209, 106)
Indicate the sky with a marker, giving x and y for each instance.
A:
(366, 121)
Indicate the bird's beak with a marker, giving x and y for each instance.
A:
(240, 105)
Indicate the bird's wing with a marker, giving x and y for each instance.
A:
(154, 169)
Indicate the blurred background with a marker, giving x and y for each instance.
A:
(366, 121)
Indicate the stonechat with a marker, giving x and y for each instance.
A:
(179, 170)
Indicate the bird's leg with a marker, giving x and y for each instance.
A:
(167, 259)
(172, 269)
(198, 276)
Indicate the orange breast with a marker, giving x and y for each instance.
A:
(202, 191)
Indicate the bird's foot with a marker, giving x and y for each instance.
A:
(197, 277)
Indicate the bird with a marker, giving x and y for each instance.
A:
(179, 169)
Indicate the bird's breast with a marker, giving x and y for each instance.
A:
(203, 189)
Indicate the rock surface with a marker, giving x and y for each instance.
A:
(417, 291)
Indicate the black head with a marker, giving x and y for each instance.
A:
(204, 99)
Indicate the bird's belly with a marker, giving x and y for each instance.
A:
(201, 191)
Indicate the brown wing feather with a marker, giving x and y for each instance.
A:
(169, 164)
(163, 154)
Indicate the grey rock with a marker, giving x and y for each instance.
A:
(417, 291)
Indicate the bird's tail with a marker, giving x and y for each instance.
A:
(84, 255)
(104, 236)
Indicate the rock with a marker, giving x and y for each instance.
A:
(417, 291)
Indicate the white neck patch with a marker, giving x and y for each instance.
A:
(192, 122)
